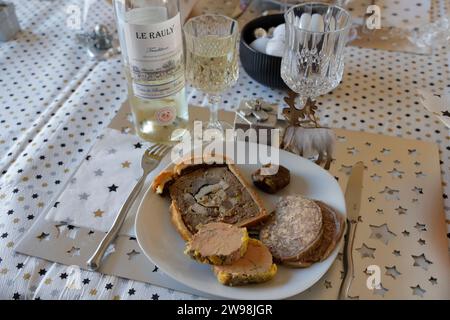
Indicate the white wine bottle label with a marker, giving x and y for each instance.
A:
(155, 56)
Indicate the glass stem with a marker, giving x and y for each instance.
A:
(214, 101)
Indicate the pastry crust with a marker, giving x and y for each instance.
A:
(169, 176)
(178, 223)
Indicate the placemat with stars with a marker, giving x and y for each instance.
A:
(402, 181)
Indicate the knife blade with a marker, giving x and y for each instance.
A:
(353, 194)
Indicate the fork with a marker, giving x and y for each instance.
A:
(150, 160)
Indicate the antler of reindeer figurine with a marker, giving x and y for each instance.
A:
(304, 134)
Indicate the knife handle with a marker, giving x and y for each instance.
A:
(348, 261)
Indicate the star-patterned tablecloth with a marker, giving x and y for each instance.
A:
(54, 102)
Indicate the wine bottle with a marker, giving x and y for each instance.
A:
(150, 38)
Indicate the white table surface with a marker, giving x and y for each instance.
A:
(54, 101)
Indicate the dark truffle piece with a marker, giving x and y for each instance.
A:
(271, 178)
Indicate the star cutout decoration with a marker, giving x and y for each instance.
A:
(327, 284)
(132, 254)
(417, 190)
(433, 281)
(418, 291)
(98, 213)
(396, 253)
(19, 265)
(63, 275)
(43, 236)
(446, 113)
(390, 194)
(98, 172)
(42, 272)
(405, 233)
(382, 233)
(126, 164)
(83, 196)
(132, 291)
(375, 177)
(419, 174)
(421, 242)
(113, 188)
(420, 227)
(376, 161)
(381, 291)
(401, 210)
(108, 286)
(366, 252)
(16, 296)
(352, 150)
(155, 296)
(395, 173)
(392, 272)
(86, 281)
(74, 251)
(421, 261)
(137, 145)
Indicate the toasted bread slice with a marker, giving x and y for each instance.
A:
(295, 228)
(218, 244)
(255, 266)
(333, 228)
(208, 192)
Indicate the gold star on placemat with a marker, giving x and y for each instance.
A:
(126, 164)
(98, 213)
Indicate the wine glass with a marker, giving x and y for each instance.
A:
(313, 59)
(211, 60)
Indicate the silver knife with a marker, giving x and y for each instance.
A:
(353, 205)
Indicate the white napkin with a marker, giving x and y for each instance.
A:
(95, 194)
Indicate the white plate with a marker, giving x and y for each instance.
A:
(162, 244)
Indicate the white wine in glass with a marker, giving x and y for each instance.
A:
(211, 59)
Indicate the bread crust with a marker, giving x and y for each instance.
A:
(160, 181)
(178, 223)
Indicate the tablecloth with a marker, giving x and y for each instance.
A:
(54, 101)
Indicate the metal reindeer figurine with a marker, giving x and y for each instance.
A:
(304, 135)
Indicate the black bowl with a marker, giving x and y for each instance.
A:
(260, 66)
